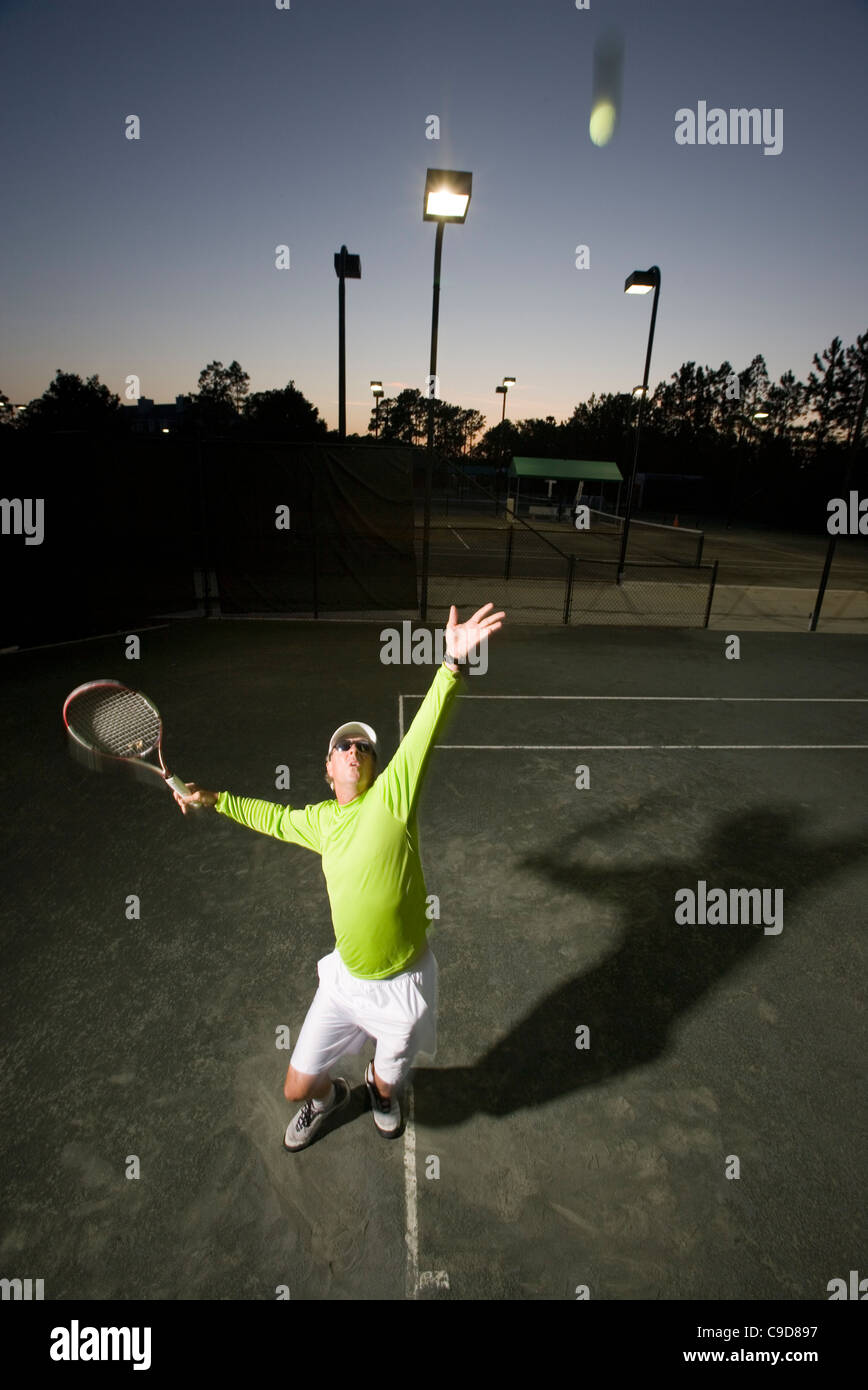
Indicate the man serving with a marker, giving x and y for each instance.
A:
(380, 982)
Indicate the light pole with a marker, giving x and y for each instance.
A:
(347, 267)
(640, 282)
(637, 393)
(507, 382)
(377, 389)
(446, 199)
(744, 443)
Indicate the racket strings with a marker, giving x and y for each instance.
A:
(118, 722)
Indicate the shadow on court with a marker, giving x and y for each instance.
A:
(633, 1000)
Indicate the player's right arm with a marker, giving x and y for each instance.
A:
(299, 826)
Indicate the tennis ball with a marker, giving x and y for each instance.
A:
(606, 95)
(602, 126)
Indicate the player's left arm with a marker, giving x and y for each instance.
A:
(399, 783)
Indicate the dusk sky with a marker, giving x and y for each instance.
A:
(307, 127)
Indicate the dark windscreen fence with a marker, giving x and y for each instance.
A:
(102, 535)
(120, 529)
(311, 528)
(363, 500)
(258, 511)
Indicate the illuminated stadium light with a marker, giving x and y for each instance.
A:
(640, 282)
(447, 195)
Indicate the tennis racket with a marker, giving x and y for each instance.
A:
(110, 725)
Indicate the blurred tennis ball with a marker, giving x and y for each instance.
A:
(606, 99)
(603, 120)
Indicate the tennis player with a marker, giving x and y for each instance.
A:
(380, 982)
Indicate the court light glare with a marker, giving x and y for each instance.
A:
(640, 282)
(761, 414)
(447, 195)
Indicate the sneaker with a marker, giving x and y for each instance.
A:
(307, 1123)
(387, 1113)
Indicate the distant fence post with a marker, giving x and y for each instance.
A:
(833, 540)
(210, 587)
(567, 601)
(824, 579)
(429, 469)
(315, 545)
(509, 533)
(710, 593)
(698, 560)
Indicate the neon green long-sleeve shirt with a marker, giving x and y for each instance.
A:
(369, 848)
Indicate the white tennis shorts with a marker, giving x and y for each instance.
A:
(398, 1014)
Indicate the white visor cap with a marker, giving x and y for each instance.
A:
(355, 730)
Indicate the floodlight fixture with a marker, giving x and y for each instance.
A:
(447, 195)
(641, 281)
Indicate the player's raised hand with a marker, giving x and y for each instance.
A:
(463, 638)
(196, 797)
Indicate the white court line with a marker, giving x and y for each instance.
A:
(411, 1236)
(430, 1278)
(73, 641)
(411, 1205)
(463, 542)
(738, 699)
(437, 1279)
(632, 747)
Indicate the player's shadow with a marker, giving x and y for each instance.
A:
(632, 1000)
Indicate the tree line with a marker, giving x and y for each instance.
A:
(713, 422)
(222, 405)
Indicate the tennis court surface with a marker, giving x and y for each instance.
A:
(603, 1069)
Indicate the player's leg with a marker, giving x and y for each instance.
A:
(382, 1086)
(300, 1085)
(327, 1034)
(404, 1024)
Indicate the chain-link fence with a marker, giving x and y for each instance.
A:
(531, 577)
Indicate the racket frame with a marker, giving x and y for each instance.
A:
(137, 759)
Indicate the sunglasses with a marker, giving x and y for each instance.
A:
(346, 744)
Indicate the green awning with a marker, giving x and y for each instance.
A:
(596, 470)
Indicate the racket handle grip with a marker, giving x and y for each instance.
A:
(179, 786)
